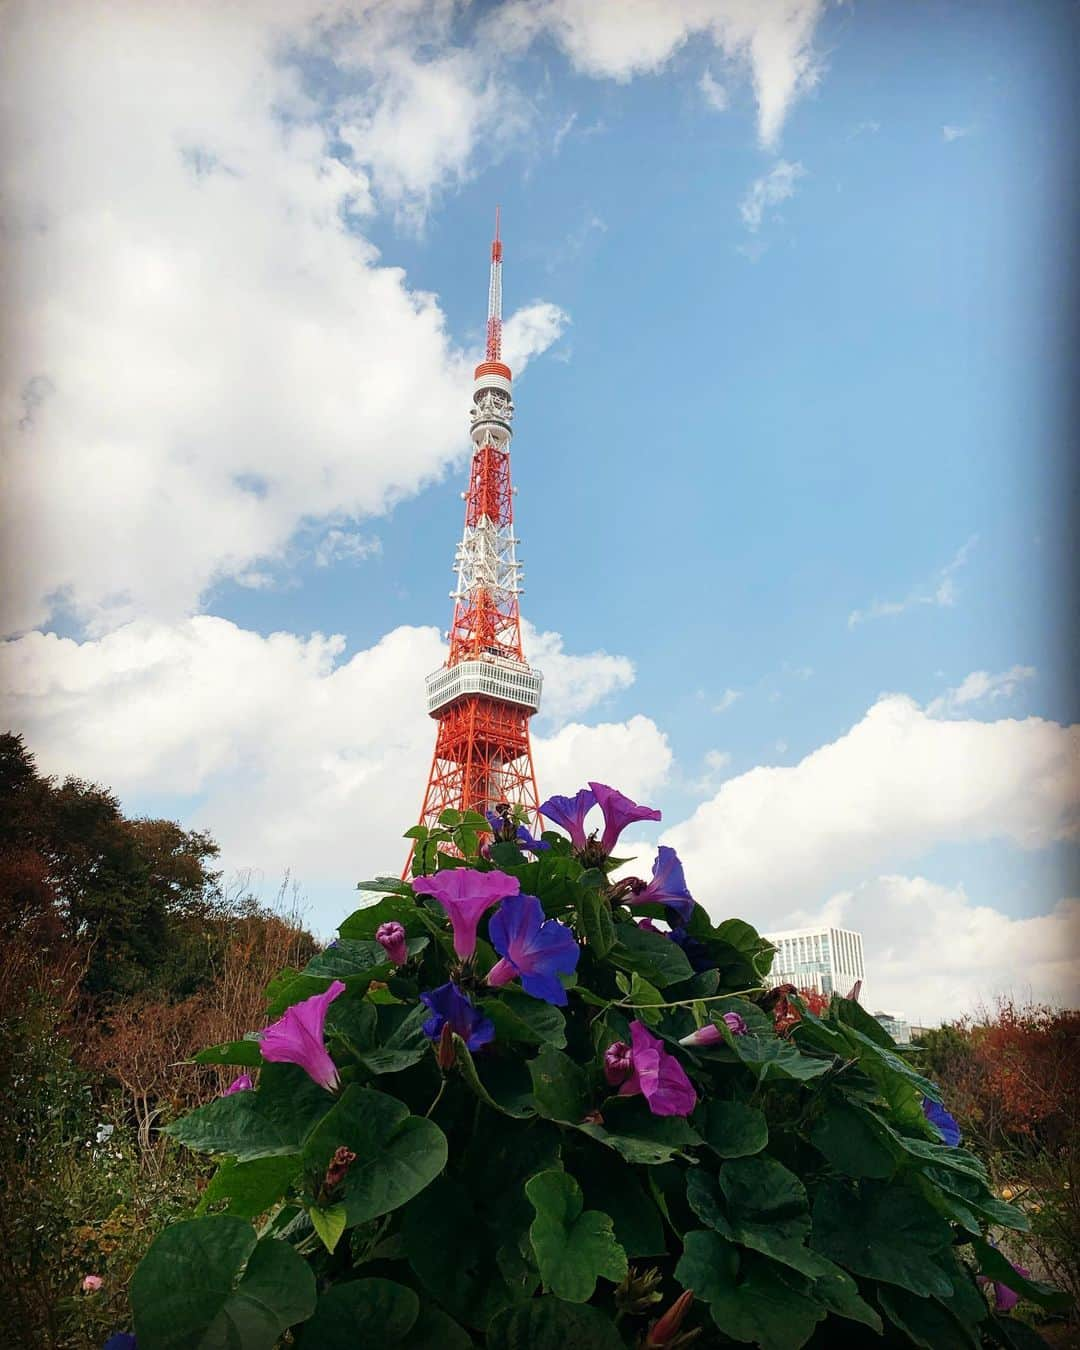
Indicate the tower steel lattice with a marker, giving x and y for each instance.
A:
(483, 697)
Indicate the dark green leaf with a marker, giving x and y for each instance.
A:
(855, 1140)
(770, 1057)
(550, 1324)
(386, 886)
(996, 1267)
(303, 986)
(733, 1129)
(400, 908)
(271, 1121)
(362, 1312)
(397, 1154)
(610, 1186)
(924, 1321)
(503, 1085)
(574, 1246)
(207, 1283)
(435, 1331)
(560, 1087)
(654, 957)
(250, 1187)
(351, 957)
(886, 1233)
(595, 914)
(518, 1017)
(245, 1053)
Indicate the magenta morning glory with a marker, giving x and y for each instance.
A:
(466, 894)
(619, 812)
(242, 1084)
(657, 1075)
(450, 1007)
(1005, 1298)
(710, 1034)
(534, 949)
(936, 1114)
(618, 1063)
(569, 814)
(298, 1038)
(391, 938)
(668, 886)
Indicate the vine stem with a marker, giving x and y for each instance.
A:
(438, 1099)
(687, 1002)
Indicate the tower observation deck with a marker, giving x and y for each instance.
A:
(484, 695)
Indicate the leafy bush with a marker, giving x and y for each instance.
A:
(506, 1108)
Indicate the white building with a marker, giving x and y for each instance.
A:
(896, 1025)
(829, 960)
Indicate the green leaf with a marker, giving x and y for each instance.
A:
(644, 997)
(362, 924)
(284, 994)
(550, 1324)
(924, 1321)
(654, 957)
(637, 1135)
(518, 1017)
(361, 1312)
(434, 1330)
(758, 1306)
(245, 1053)
(1013, 1334)
(996, 1267)
(329, 1223)
(969, 1201)
(274, 1119)
(351, 957)
(452, 1251)
(250, 1187)
(596, 923)
(503, 1087)
(208, 1283)
(560, 1087)
(734, 1129)
(762, 1194)
(610, 1186)
(854, 1140)
(886, 1233)
(386, 886)
(769, 1057)
(574, 1246)
(397, 1154)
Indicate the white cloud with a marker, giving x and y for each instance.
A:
(954, 133)
(774, 843)
(869, 128)
(981, 687)
(726, 699)
(530, 331)
(299, 756)
(562, 131)
(932, 953)
(203, 353)
(345, 545)
(939, 592)
(769, 190)
(573, 684)
(714, 93)
(772, 44)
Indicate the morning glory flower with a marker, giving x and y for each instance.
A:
(120, 1340)
(658, 1076)
(526, 841)
(533, 948)
(936, 1114)
(451, 1008)
(466, 894)
(619, 812)
(668, 885)
(618, 1063)
(298, 1038)
(391, 938)
(1005, 1298)
(696, 952)
(242, 1084)
(569, 814)
(710, 1034)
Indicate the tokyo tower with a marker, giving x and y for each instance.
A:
(484, 695)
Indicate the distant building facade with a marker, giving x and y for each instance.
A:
(829, 960)
(897, 1027)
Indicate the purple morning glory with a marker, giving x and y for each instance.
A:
(391, 938)
(696, 952)
(710, 1033)
(298, 1038)
(242, 1084)
(1005, 1297)
(526, 841)
(668, 885)
(569, 814)
(533, 948)
(936, 1114)
(619, 812)
(657, 1075)
(466, 894)
(121, 1340)
(450, 1007)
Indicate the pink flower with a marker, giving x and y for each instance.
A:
(466, 895)
(298, 1038)
(658, 1075)
(242, 1084)
(391, 938)
(619, 812)
(712, 1035)
(618, 1063)
(92, 1283)
(1005, 1298)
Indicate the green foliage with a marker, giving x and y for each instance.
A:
(508, 1196)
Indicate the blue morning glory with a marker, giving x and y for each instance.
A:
(936, 1114)
(668, 886)
(450, 1007)
(569, 814)
(533, 949)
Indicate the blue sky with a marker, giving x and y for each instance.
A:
(785, 459)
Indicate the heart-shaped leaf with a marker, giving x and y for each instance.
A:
(574, 1246)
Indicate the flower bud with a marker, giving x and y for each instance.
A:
(391, 938)
(92, 1283)
(338, 1169)
(445, 1054)
(618, 1063)
(665, 1330)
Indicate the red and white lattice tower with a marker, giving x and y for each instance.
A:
(483, 697)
